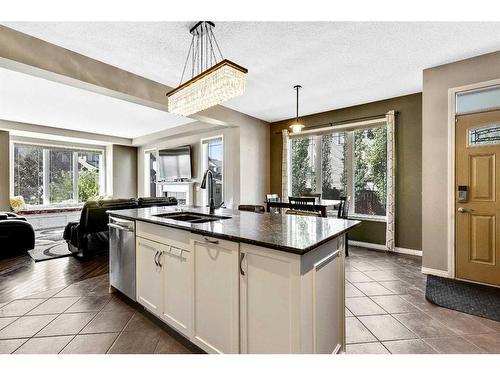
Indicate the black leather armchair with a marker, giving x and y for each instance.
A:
(16, 234)
(90, 235)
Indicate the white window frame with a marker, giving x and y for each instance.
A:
(204, 163)
(146, 176)
(61, 145)
(349, 160)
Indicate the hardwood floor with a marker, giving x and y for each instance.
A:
(21, 276)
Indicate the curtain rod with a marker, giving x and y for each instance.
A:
(329, 124)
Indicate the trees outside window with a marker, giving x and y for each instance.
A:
(303, 167)
(340, 164)
(46, 175)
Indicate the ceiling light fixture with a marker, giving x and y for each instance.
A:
(297, 126)
(214, 79)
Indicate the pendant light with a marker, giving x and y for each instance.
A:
(214, 79)
(297, 126)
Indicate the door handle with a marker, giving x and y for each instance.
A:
(156, 259)
(242, 255)
(463, 210)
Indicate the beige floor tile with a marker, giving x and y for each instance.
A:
(9, 346)
(394, 304)
(357, 332)
(53, 306)
(489, 342)
(44, 345)
(108, 321)
(367, 348)
(4, 322)
(26, 326)
(67, 324)
(135, 342)
(408, 347)
(355, 277)
(89, 304)
(381, 275)
(363, 306)
(97, 343)
(454, 345)
(373, 289)
(365, 266)
(352, 291)
(424, 325)
(169, 345)
(460, 323)
(385, 327)
(20, 307)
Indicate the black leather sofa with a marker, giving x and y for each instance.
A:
(90, 235)
(16, 235)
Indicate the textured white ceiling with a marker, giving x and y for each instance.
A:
(338, 63)
(34, 100)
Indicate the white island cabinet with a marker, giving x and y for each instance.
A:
(233, 297)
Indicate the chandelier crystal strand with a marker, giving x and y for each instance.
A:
(212, 86)
(220, 85)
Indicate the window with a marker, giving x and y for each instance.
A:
(213, 153)
(351, 163)
(485, 135)
(49, 175)
(150, 168)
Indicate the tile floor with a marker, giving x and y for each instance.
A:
(82, 319)
(386, 312)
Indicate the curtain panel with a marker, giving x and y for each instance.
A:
(284, 167)
(390, 234)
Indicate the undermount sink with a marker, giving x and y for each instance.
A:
(192, 217)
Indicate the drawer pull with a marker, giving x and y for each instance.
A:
(242, 255)
(216, 242)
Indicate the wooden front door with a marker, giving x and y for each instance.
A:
(477, 214)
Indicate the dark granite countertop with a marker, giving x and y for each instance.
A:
(290, 233)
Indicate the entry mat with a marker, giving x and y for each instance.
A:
(475, 299)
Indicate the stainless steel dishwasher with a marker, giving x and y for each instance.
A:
(122, 255)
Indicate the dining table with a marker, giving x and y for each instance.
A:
(321, 205)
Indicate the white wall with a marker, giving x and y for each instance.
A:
(436, 83)
(246, 160)
(254, 163)
(231, 161)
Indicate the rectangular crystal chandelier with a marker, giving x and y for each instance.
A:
(223, 81)
(214, 80)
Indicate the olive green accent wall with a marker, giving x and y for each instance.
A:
(408, 164)
(369, 231)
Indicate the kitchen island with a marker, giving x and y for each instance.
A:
(242, 282)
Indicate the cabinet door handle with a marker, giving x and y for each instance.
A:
(160, 255)
(156, 259)
(242, 255)
(216, 242)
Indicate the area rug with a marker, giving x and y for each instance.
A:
(49, 244)
(475, 299)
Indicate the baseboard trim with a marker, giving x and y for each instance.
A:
(379, 247)
(368, 245)
(435, 272)
(402, 250)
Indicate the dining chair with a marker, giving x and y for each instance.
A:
(343, 213)
(302, 203)
(343, 210)
(273, 198)
(303, 213)
(309, 194)
(252, 208)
